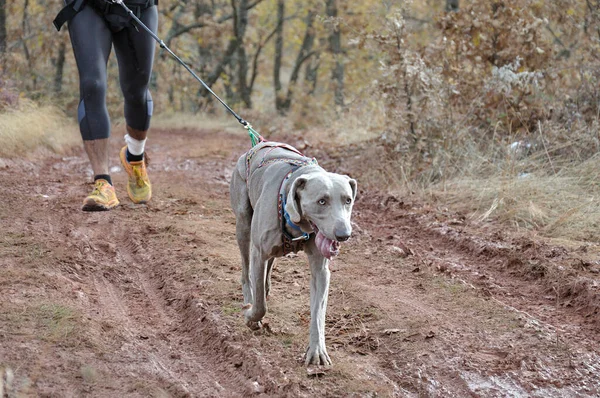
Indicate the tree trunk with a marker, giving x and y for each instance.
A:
(216, 73)
(278, 54)
(2, 26)
(452, 5)
(25, 30)
(240, 31)
(205, 51)
(311, 74)
(60, 67)
(240, 22)
(229, 84)
(335, 46)
(304, 54)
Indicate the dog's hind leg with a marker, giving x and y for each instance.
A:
(268, 279)
(258, 305)
(243, 234)
(240, 203)
(316, 352)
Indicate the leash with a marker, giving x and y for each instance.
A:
(255, 137)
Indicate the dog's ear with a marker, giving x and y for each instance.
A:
(353, 186)
(292, 206)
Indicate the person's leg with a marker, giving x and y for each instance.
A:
(92, 40)
(135, 54)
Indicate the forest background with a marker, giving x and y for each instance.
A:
(487, 107)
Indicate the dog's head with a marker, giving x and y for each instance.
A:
(324, 200)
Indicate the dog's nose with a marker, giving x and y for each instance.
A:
(342, 238)
(342, 234)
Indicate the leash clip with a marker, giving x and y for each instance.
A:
(304, 237)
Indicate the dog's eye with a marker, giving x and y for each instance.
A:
(322, 202)
(349, 201)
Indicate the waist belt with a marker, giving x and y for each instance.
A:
(103, 6)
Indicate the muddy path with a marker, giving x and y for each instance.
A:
(145, 300)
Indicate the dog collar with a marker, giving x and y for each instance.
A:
(285, 216)
(290, 243)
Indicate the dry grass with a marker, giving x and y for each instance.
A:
(363, 120)
(30, 128)
(549, 191)
(194, 121)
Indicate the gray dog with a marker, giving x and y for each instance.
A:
(284, 202)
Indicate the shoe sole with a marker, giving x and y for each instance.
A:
(92, 206)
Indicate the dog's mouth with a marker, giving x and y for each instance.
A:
(328, 247)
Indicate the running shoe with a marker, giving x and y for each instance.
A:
(102, 198)
(138, 185)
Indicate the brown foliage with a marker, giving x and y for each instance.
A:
(499, 47)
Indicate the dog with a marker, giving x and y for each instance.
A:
(285, 202)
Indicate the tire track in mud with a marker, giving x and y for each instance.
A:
(235, 370)
(189, 371)
(111, 304)
(198, 323)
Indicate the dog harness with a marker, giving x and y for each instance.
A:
(271, 146)
(104, 7)
(290, 243)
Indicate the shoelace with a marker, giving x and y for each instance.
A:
(98, 189)
(138, 171)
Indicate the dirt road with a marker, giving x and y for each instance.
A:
(145, 300)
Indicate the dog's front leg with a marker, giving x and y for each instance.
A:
(268, 279)
(319, 290)
(257, 307)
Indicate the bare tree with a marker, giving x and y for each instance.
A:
(180, 29)
(60, 67)
(278, 53)
(233, 52)
(335, 46)
(311, 73)
(283, 102)
(239, 27)
(25, 31)
(2, 26)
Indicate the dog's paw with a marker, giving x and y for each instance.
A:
(254, 325)
(317, 355)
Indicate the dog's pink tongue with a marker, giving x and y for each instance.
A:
(328, 247)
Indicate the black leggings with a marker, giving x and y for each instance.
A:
(92, 39)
